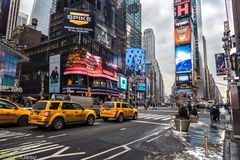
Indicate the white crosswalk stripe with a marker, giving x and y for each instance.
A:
(154, 116)
(5, 135)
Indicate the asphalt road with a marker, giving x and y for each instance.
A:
(147, 138)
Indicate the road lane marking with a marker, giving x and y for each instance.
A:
(152, 116)
(60, 135)
(123, 146)
(97, 123)
(23, 146)
(154, 139)
(41, 136)
(32, 153)
(59, 154)
(156, 123)
(122, 129)
(166, 119)
(127, 149)
(161, 117)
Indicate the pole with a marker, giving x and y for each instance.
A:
(135, 89)
(206, 142)
(42, 85)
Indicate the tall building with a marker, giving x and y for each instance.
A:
(199, 48)
(148, 43)
(134, 23)
(22, 19)
(8, 16)
(42, 10)
(86, 63)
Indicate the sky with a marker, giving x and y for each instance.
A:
(158, 15)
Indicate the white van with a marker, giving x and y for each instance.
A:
(88, 103)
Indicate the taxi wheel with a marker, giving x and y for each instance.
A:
(135, 116)
(58, 124)
(23, 121)
(90, 120)
(120, 118)
(105, 119)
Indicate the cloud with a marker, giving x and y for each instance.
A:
(158, 15)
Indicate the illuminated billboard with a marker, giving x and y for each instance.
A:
(220, 64)
(182, 9)
(136, 67)
(136, 61)
(54, 74)
(8, 66)
(122, 83)
(182, 34)
(78, 20)
(88, 64)
(183, 59)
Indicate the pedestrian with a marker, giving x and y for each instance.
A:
(218, 112)
(211, 110)
(189, 107)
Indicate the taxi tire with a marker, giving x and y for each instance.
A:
(23, 121)
(89, 121)
(135, 116)
(58, 120)
(120, 118)
(105, 119)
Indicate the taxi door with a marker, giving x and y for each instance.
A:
(70, 112)
(126, 109)
(79, 111)
(8, 112)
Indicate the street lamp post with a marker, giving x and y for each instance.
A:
(42, 75)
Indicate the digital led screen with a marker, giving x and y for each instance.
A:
(183, 59)
(182, 34)
(122, 83)
(220, 64)
(8, 66)
(183, 78)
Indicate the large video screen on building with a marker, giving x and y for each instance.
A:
(182, 34)
(183, 59)
(8, 66)
(136, 67)
(54, 74)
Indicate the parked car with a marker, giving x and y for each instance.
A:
(55, 114)
(118, 111)
(88, 103)
(11, 113)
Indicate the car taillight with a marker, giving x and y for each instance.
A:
(115, 110)
(46, 114)
(31, 112)
(102, 109)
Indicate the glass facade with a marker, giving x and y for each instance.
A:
(42, 10)
(134, 23)
(8, 66)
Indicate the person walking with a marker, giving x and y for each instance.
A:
(211, 110)
(218, 112)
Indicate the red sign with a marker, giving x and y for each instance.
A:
(182, 9)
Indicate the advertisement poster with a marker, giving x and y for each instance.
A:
(182, 34)
(103, 38)
(78, 20)
(220, 64)
(122, 83)
(183, 59)
(136, 62)
(8, 66)
(88, 64)
(54, 74)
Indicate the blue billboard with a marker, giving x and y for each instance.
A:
(136, 67)
(136, 62)
(183, 59)
(8, 67)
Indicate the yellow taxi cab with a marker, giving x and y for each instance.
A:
(11, 113)
(118, 110)
(55, 114)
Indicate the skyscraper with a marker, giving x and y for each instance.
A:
(8, 16)
(22, 19)
(134, 23)
(42, 10)
(199, 48)
(148, 43)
